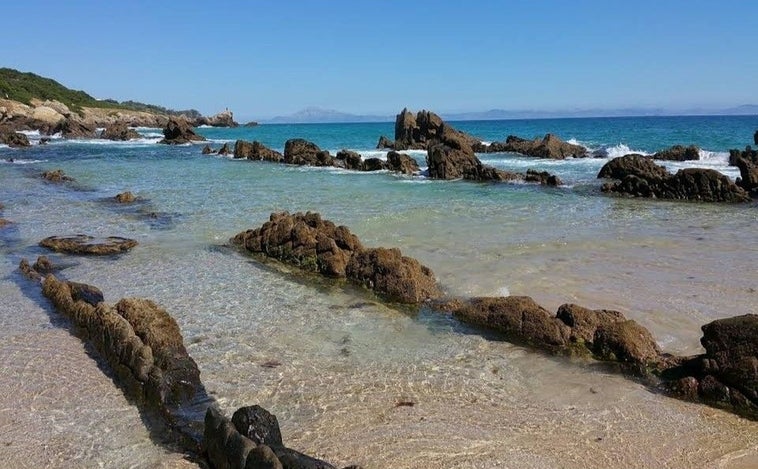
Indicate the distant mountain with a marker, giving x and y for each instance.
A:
(314, 115)
(745, 109)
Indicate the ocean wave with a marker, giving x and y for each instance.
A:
(715, 157)
(17, 161)
(614, 151)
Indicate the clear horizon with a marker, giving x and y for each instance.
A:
(263, 60)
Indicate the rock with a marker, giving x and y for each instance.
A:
(56, 175)
(679, 153)
(748, 175)
(402, 163)
(388, 272)
(44, 141)
(632, 164)
(83, 292)
(13, 139)
(755, 137)
(4, 222)
(640, 177)
(731, 345)
(76, 128)
(385, 143)
(350, 160)
(250, 124)
(178, 131)
(584, 322)
(263, 457)
(256, 151)
(373, 164)
(423, 130)
(518, 317)
(44, 266)
(446, 162)
(303, 240)
(550, 146)
(542, 177)
(304, 153)
(83, 244)
(125, 198)
(626, 342)
(224, 150)
(120, 131)
(224, 118)
(749, 154)
(207, 150)
(259, 425)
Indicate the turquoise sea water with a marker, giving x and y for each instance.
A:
(480, 402)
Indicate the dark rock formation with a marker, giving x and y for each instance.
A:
(120, 131)
(56, 175)
(727, 374)
(679, 153)
(755, 137)
(373, 164)
(83, 244)
(625, 342)
(178, 131)
(448, 162)
(44, 141)
(402, 163)
(250, 124)
(316, 245)
(75, 128)
(639, 177)
(421, 131)
(549, 146)
(749, 154)
(349, 160)
(258, 424)
(584, 322)
(256, 151)
(125, 198)
(748, 175)
(207, 150)
(224, 150)
(542, 177)
(13, 139)
(302, 152)
(385, 143)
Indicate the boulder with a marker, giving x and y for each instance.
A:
(639, 177)
(447, 162)
(402, 163)
(679, 153)
(584, 322)
(178, 131)
(626, 342)
(421, 131)
(224, 118)
(258, 424)
(349, 160)
(542, 177)
(373, 164)
(120, 131)
(755, 137)
(748, 179)
(13, 139)
(83, 244)
(56, 175)
(389, 273)
(224, 150)
(76, 128)
(749, 154)
(520, 318)
(550, 146)
(304, 153)
(385, 143)
(125, 197)
(207, 150)
(256, 151)
(731, 347)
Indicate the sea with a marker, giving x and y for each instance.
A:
(339, 367)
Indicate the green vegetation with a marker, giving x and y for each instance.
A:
(24, 87)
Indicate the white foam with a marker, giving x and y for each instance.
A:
(614, 151)
(715, 157)
(29, 133)
(15, 161)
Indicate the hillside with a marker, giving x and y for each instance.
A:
(25, 87)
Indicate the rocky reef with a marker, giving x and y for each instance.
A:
(316, 245)
(119, 131)
(678, 153)
(88, 245)
(639, 176)
(13, 139)
(550, 146)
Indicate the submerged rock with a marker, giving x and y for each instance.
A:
(640, 177)
(679, 153)
(542, 177)
(120, 131)
(83, 244)
(125, 198)
(56, 175)
(178, 131)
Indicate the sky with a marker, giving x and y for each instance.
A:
(267, 58)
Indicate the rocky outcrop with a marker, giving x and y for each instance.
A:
(304, 153)
(72, 127)
(88, 245)
(13, 139)
(748, 179)
(125, 198)
(385, 144)
(224, 118)
(207, 150)
(449, 162)
(349, 160)
(679, 153)
(250, 124)
(178, 131)
(56, 175)
(120, 131)
(224, 150)
(421, 131)
(755, 137)
(550, 146)
(640, 177)
(726, 375)
(748, 154)
(402, 163)
(542, 177)
(256, 151)
(312, 244)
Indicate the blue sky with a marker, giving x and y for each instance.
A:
(266, 58)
